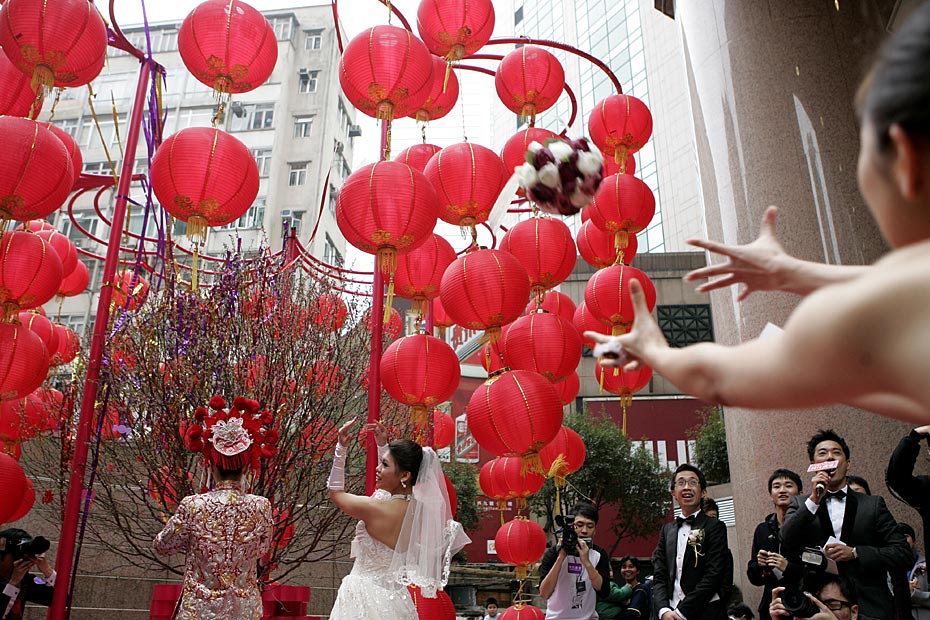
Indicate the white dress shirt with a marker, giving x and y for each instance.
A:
(836, 508)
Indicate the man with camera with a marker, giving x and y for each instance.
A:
(693, 566)
(858, 536)
(574, 572)
(19, 552)
(900, 478)
(834, 598)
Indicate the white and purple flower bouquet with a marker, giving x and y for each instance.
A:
(561, 176)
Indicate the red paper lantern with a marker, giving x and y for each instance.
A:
(443, 430)
(515, 413)
(17, 95)
(43, 409)
(620, 125)
(13, 423)
(455, 30)
(419, 272)
(228, 45)
(34, 226)
(68, 346)
(453, 496)
(514, 152)
(386, 209)
(564, 455)
(25, 505)
(421, 371)
(74, 151)
(442, 96)
(622, 382)
(529, 80)
(544, 343)
(554, 302)
(330, 312)
(391, 328)
(545, 248)
(441, 318)
(599, 248)
(41, 327)
(607, 295)
(467, 178)
(522, 611)
(11, 448)
(130, 290)
(320, 438)
(485, 289)
(66, 251)
(568, 388)
(585, 321)
(417, 156)
(14, 483)
(386, 72)
(61, 43)
(75, 282)
(506, 478)
(205, 177)
(439, 607)
(30, 272)
(623, 205)
(520, 542)
(36, 173)
(612, 167)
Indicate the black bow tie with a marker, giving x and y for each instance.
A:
(689, 520)
(841, 494)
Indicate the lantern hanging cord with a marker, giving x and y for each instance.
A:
(93, 112)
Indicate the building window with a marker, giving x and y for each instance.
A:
(303, 126)
(685, 324)
(333, 196)
(282, 27)
(74, 322)
(307, 82)
(195, 117)
(331, 255)
(298, 173)
(85, 220)
(313, 39)
(346, 171)
(263, 160)
(168, 42)
(263, 118)
(96, 167)
(518, 16)
(89, 136)
(68, 125)
(253, 218)
(293, 220)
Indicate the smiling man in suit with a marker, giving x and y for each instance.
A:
(871, 543)
(692, 560)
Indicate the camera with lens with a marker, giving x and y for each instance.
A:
(794, 599)
(569, 538)
(29, 547)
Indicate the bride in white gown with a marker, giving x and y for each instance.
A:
(405, 536)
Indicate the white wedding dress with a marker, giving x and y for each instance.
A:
(371, 591)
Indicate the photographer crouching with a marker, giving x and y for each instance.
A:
(20, 552)
(834, 598)
(574, 572)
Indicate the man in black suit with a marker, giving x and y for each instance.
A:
(871, 544)
(17, 585)
(692, 560)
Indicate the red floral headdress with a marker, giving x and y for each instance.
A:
(234, 438)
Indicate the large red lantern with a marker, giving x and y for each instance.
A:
(568, 388)
(14, 484)
(228, 45)
(585, 321)
(554, 302)
(419, 272)
(30, 272)
(514, 152)
(205, 177)
(17, 95)
(129, 290)
(599, 249)
(68, 346)
(25, 505)
(544, 343)
(75, 282)
(443, 430)
(607, 296)
(455, 30)
(36, 173)
(421, 371)
(59, 43)
(522, 611)
(74, 151)
(42, 328)
(620, 125)
(520, 542)
(23, 361)
(418, 155)
(515, 413)
(386, 208)
(545, 248)
(386, 72)
(468, 178)
(44, 408)
(623, 205)
(391, 328)
(441, 318)
(564, 455)
(439, 607)
(442, 96)
(485, 289)
(66, 251)
(529, 80)
(506, 478)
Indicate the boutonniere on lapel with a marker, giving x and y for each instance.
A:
(696, 541)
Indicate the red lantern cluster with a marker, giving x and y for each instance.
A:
(543, 343)
(417, 156)
(442, 96)
(468, 179)
(421, 371)
(529, 80)
(506, 478)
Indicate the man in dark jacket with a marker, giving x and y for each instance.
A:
(17, 585)
(900, 478)
(768, 567)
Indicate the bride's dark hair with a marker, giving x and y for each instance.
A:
(408, 455)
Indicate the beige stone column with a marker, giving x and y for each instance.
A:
(772, 85)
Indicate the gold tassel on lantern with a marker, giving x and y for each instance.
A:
(389, 302)
(521, 572)
(418, 415)
(620, 155)
(197, 229)
(530, 463)
(621, 239)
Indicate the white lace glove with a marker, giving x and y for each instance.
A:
(337, 477)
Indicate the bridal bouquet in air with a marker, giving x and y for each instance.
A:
(562, 175)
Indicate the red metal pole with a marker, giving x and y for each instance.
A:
(59, 610)
(374, 358)
(430, 430)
